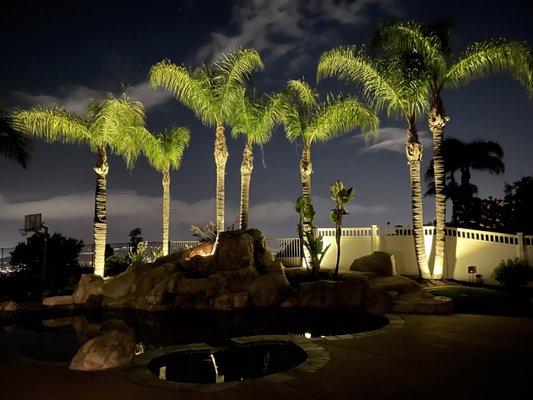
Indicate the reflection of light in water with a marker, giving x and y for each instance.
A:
(163, 373)
(218, 378)
(307, 335)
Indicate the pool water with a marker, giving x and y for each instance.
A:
(56, 335)
(228, 364)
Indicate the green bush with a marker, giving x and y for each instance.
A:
(114, 265)
(512, 273)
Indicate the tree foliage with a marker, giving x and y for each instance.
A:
(13, 144)
(165, 150)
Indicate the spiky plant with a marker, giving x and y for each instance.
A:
(113, 124)
(211, 92)
(13, 144)
(164, 152)
(448, 71)
(399, 85)
(254, 118)
(341, 196)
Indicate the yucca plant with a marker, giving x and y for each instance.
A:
(164, 152)
(254, 118)
(211, 92)
(448, 71)
(398, 84)
(114, 124)
(341, 196)
(14, 145)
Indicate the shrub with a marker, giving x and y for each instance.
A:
(114, 265)
(512, 273)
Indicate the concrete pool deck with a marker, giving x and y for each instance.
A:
(457, 356)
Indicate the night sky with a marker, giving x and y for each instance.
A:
(68, 52)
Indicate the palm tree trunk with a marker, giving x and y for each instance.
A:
(338, 234)
(221, 157)
(101, 168)
(413, 151)
(247, 166)
(165, 181)
(437, 119)
(306, 169)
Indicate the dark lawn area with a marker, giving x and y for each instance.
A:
(476, 300)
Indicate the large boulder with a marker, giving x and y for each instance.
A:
(269, 290)
(235, 249)
(120, 285)
(200, 266)
(261, 254)
(318, 294)
(379, 262)
(55, 301)
(113, 349)
(351, 293)
(201, 249)
(240, 279)
(377, 301)
(422, 302)
(87, 287)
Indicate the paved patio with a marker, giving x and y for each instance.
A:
(431, 357)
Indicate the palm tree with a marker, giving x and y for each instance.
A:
(164, 151)
(13, 144)
(115, 124)
(310, 121)
(255, 118)
(479, 60)
(463, 157)
(211, 92)
(397, 83)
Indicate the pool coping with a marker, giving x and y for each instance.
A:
(137, 371)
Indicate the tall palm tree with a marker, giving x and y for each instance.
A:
(115, 124)
(255, 118)
(398, 84)
(164, 152)
(463, 157)
(13, 144)
(211, 92)
(304, 118)
(477, 61)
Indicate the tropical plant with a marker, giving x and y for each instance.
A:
(254, 118)
(517, 201)
(313, 243)
(164, 151)
(463, 157)
(211, 92)
(14, 145)
(115, 124)
(398, 84)
(512, 273)
(446, 71)
(341, 196)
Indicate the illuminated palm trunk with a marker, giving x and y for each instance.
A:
(101, 169)
(437, 119)
(221, 157)
(165, 181)
(247, 166)
(306, 169)
(413, 151)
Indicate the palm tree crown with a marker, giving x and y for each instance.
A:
(13, 144)
(165, 150)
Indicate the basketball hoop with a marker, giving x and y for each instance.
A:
(32, 223)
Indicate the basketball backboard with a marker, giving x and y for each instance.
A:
(32, 223)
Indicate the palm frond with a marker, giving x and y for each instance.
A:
(192, 89)
(489, 57)
(52, 124)
(302, 91)
(166, 149)
(340, 115)
(14, 145)
(400, 37)
(232, 72)
(119, 124)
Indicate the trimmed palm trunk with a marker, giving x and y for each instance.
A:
(437, 120)
(165, 181)
(247, 166)
(221, 158)
(306, 169)
(413, 151)
(101, 169)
